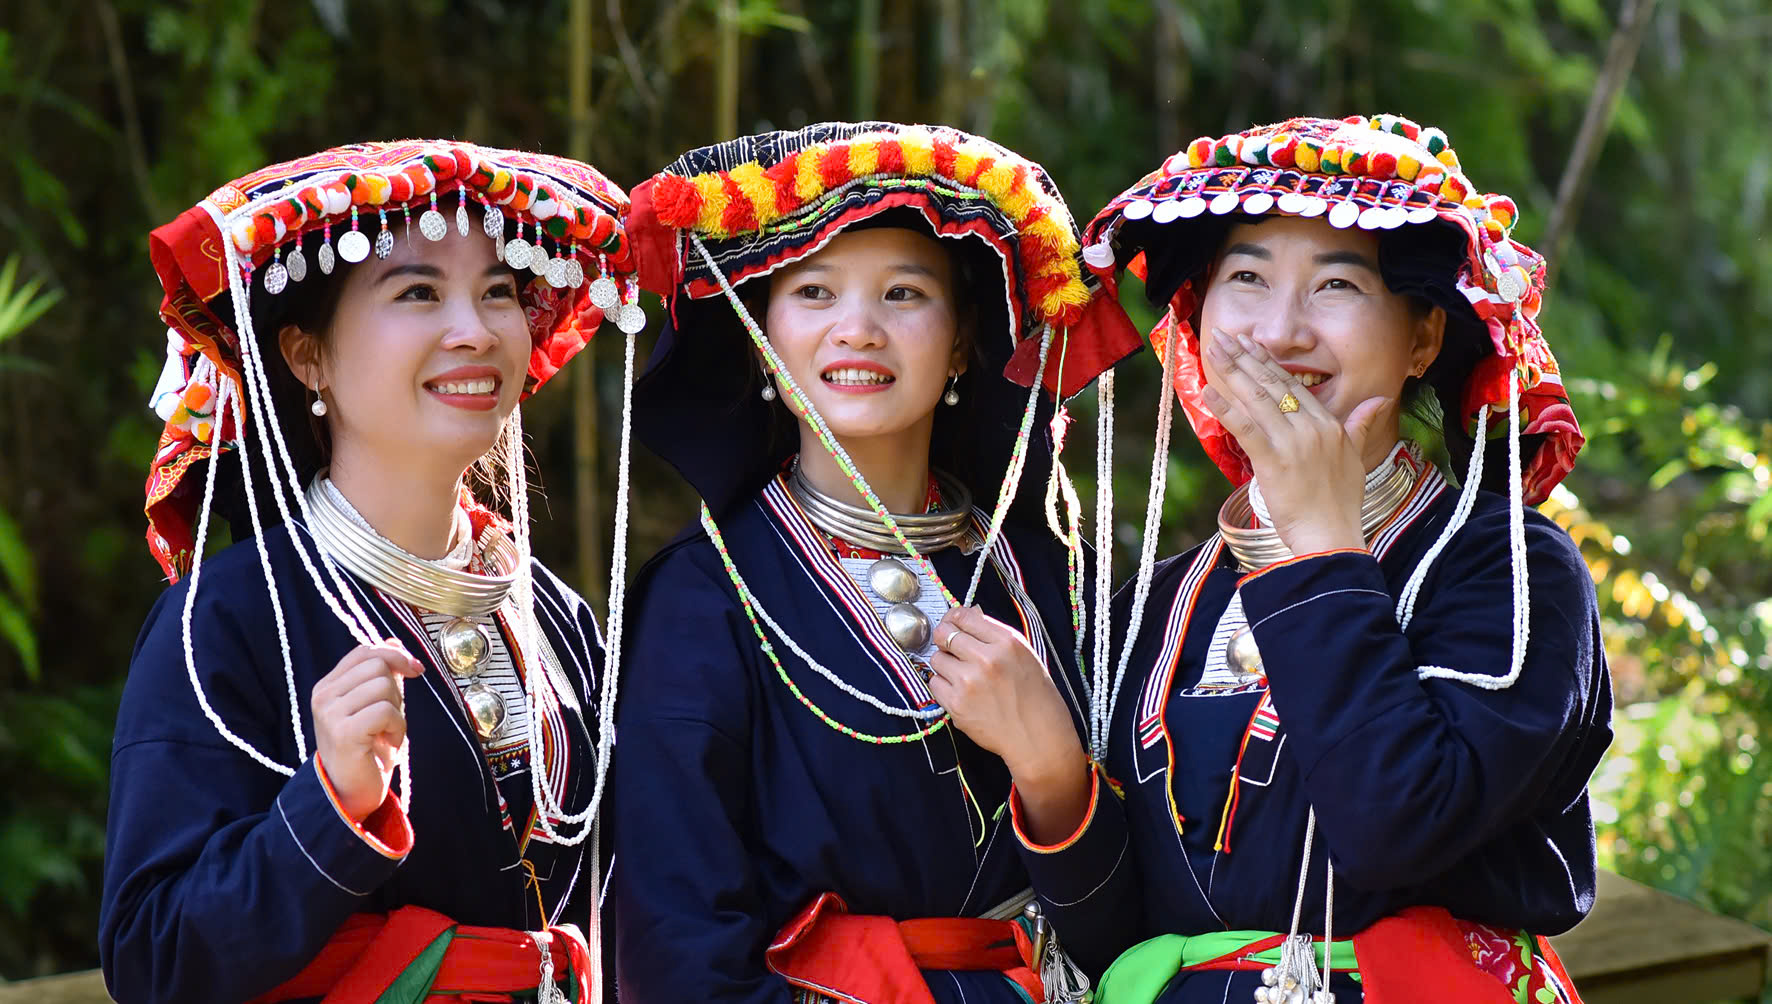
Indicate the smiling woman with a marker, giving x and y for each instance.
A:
(805, 660)
(374, 616)
(1359, 720)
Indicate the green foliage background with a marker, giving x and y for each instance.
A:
(115, 115)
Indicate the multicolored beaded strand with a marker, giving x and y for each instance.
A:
(748, 600)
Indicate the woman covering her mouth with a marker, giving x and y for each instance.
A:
(813, 794)
(349, 337)
(1358, 722)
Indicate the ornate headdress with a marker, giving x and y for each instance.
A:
(1381, 173)
(264, 236)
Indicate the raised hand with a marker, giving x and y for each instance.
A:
(988, 678)
(1310, 464)
(360, 723)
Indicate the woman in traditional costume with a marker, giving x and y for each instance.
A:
(349, 337)
(806, 812)
(1358, 722)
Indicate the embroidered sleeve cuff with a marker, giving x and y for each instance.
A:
(1287, 562)
(386, 829)
(1021, 834)
(1071, 871)
(343, 856)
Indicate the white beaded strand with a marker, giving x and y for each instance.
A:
(222, 398)
(1467, 498)
(1104, 580)
(1153, 511)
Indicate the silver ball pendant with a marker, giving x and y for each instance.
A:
(893, 581)
(1270, 977)
(1243, 654)
(908, 626)
(768, 392)
(466, 646)
(486, 710)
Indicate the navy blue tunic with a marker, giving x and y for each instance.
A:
(738, 806)
(1428, 791)
(223, 878)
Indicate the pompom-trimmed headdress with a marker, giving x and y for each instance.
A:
(215, 396)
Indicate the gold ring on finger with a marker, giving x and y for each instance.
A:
(1288, 404)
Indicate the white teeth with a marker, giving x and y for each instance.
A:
(1311, 379)
(485, 385)
(856, 377)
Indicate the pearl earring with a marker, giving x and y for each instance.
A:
(768, 393)
(318, 407)
(952, 397)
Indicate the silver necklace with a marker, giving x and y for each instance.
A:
(888, 577)
(465, 646)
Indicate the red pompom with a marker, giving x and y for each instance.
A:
(740, 216)
(834, 169)
(891, 157)
(677, 200)
(944, 157)
(782, 177)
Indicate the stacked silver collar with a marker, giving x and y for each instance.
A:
(1388, 486)
(927, 532)
(429, 585)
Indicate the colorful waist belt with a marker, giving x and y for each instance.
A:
(831, 951)
(1422, 951)
(414, 954)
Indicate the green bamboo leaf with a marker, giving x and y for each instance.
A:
(16, 564)
(15, 627)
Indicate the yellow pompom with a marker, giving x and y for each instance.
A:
(713, 203)
(1051, 233)
(965, 164)
(1449, 158)
(1307, 158)
(203, 431)
(997, 182)
(919, 152)
(864, 158)
(1407, 167)
(758, 189)
(808, 181)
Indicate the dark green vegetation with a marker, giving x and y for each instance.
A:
(117, 114)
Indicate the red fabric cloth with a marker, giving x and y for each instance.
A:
(369, 951)
(826, 948)
(1426, 950)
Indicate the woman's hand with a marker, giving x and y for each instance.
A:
(987, 677)
(1309, 463)
(360, 723)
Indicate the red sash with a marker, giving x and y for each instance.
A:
(370, 951)
(827, 949)
(1424, 950)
